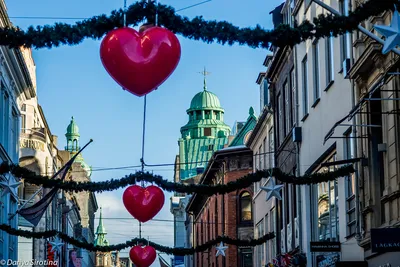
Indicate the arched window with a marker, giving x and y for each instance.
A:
(245, 207)
(69, 145)
(75, 145)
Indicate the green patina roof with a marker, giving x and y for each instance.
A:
(197, 150)
(205, 100)
(101, 232)
(247, 128)
(72, 129)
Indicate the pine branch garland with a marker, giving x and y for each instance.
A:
(133, 242)
(196, 29)
(202, 189)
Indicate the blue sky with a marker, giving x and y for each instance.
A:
(71, 81)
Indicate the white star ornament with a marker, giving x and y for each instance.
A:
(56, 245)
(8, 186)
(272, 189)
(221, 249)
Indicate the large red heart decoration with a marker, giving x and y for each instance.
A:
(140, 62)
(143, 203)
(142, 257)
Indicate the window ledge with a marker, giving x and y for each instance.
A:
(304, 118)
(329, 85)
(316, 102)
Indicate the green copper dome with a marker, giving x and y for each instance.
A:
(205, 100)
(72, 129)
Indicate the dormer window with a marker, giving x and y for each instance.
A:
(207, 131)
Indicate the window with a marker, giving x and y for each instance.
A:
(344, 39)
(304, 69)
(260, 248)
(288, 109)
(261, 157)
(198, 115)
(23, 108)
(271, 160)
(14, 136)
(267, 244)
(12, 239)
(266, 157)
(316, 58)
(245, 207)
(207, 131)
(207, 114)
(23, 123)
(273, 229)
(329, 60)
(325, 206)
(246, 257)
(281, 125)
(293, 98)
(210, 147)
(6, 120)
(350, 189)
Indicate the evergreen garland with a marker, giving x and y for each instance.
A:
(202, 189)
(197, 29)
(133, 242)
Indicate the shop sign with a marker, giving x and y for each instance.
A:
(325, 246)
(385, 240)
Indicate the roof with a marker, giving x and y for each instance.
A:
(205, 100)
(72, 128)
(243, 134)
(197, 152)
(257, 127)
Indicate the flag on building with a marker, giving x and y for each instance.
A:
(34, 213)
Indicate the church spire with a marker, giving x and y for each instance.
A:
(72, 136)
(101, 233)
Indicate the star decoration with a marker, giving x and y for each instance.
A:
(272, 189)
(391, 33)
(8, 186)
(56, 245)
(221, 249)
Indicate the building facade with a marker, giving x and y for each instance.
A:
(261, 142)
(229, 214)
(377, 181)
(324, 96)
(16, 86)
(204, 133)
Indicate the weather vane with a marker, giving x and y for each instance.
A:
(205, 73)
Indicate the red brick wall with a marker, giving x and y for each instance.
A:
(211, 216)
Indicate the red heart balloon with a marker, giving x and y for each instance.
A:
(143, 203)
(142, 257)
(140, 62)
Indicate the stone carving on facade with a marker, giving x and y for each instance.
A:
(233, 164)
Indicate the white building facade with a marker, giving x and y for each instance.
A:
(16, 86)
(261, 142)
(324, 97)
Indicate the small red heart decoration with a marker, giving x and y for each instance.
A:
(143, 203)
(142, 257)
(140, 62)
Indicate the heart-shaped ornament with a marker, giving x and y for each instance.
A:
(140, 61)
(142, 256)
(143, 203)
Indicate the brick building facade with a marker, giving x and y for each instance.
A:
(229, 214)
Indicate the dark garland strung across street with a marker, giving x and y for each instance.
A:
(168, 250)
(202, 189)
(196, 29)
